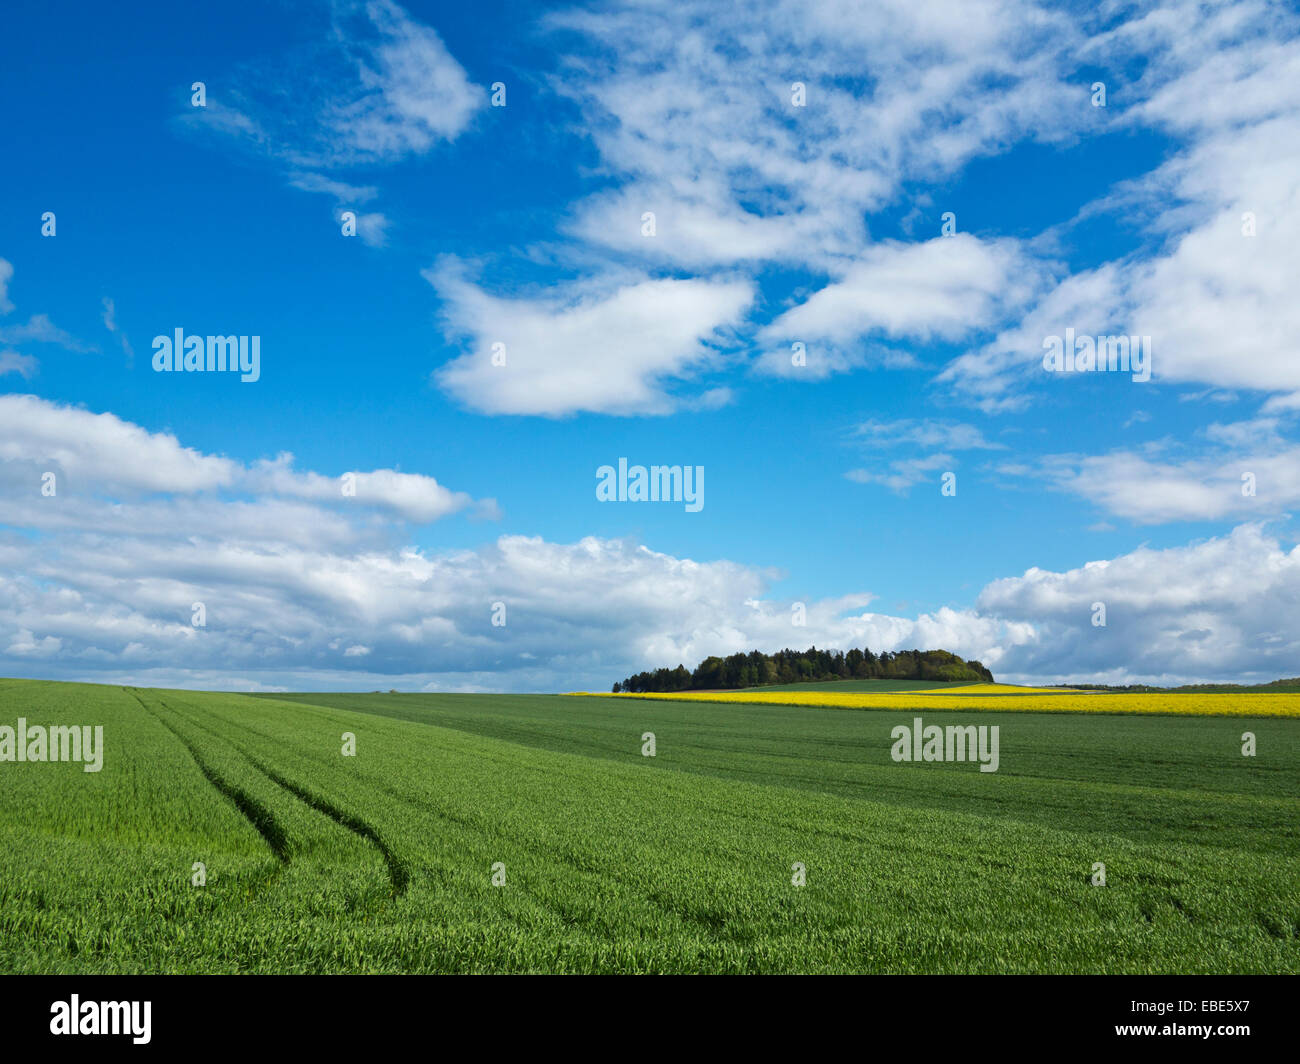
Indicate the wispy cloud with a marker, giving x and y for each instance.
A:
(12, 362)
(39, 329)
(900, 474)
(385, 88)
(110, 323)
(770, 135)
(1230, 471)
(383, 84)
(6, 274)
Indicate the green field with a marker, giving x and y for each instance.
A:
(383, 862)
(864, 685)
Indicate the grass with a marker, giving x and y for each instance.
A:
(870, 686)
(619, 862)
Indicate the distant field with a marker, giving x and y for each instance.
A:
(997, 689)
(996, 697)
(618, 862)
(860, 685)
(967, 687)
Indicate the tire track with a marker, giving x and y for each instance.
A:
(397, 871)
(398, 874)
(254, 811)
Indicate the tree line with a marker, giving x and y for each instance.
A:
(757, 669)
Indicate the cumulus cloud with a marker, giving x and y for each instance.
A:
(411, 496)
(693, 111)
(279, 614)
(1220, 216)
(106, 468)
(301, 585)
(584, 613)
(1225, 609)
(297, 592)
(586, 346)
(99, 450)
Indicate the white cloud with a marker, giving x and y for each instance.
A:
(384, 86)
(100, 450)
(585, 347)
(1225, 471)
(1225, 609)
(1216, 303)
(585, 613)
(412, 94)
(372, 228)
(579, 614)
(411, 496)
(300, 594)
(944, 289)
(25, 645)
(1151, 491)
(691, 106)
(699, 229)
(100, 461)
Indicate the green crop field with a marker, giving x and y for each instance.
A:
(865, 685)
(608, 860)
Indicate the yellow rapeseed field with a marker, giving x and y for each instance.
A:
(1249, 704)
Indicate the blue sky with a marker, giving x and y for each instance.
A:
(819, 222)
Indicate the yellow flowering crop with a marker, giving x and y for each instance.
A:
(1248, 704)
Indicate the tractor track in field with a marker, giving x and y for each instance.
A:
(397, 871)
(262, 819)
(398, 874)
